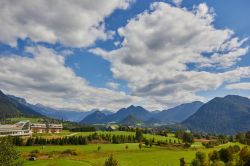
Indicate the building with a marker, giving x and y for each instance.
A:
(25, 128)
(46, 128)
(21, 128)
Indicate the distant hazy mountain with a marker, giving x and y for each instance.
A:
(97, 117)
(69, 115)
(11, 106)
(136, 111)
(178, 113)
(227, 115)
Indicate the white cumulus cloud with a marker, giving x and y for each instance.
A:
(166, 51)
(73, 23)
(43, 78)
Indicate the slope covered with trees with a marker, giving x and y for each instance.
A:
(227, 115)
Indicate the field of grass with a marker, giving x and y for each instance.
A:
(133, 156)
(68, 133)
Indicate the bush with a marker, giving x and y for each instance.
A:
(99, 148)
(140, 145)
(111, 161)
(70, 152)
(34, 153)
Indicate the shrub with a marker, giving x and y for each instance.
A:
(111, 161)
(70, 152)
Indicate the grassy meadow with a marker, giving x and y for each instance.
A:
(88, 155)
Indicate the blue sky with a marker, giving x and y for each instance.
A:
(96, 55)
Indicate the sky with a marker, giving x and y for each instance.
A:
(83, 55)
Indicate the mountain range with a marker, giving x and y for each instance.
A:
(221, 115)
(139, 114)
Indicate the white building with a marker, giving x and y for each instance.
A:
(25, 128)
(21, 128)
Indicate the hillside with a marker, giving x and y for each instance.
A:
(7, 109)
(227, 115)
(11, 106)
(130, 120)
(178, 113)
(95, 118)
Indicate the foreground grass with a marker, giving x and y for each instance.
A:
(133, 156)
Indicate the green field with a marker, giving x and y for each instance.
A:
(133, 156)
(67, 133)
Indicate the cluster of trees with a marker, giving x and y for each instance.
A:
(80, 140)
(109, 138)
(187, 137)
(162, 132)
(243, 138)
(231, 156)
(83, 129)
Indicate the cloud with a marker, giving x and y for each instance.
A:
(241, 86)
(73, 23)
(168, 54)
(43, 78)
(177, 2)
(112, 85)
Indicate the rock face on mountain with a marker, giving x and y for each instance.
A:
(11, 106)
(227, 115)
(179, 113)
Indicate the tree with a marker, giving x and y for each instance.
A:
(138, 135)
(213, 156)
(200, 159)
(99, 148)
(140, 145)
(111, 161)
(225, 155)
(8, 154)
(187, 138)
(182, 162)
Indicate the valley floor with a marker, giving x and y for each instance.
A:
(87, 155)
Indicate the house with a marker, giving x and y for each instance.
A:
(112, 127)
(46, 128)
(21, 128)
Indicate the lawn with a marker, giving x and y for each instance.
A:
(133, 156)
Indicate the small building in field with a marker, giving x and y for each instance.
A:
(21, 128)
(46, 128)
(112, 127)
